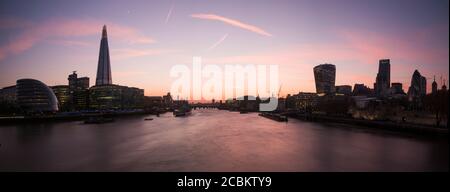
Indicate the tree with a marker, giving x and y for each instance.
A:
(437, 103)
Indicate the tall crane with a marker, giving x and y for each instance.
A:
(279, 91)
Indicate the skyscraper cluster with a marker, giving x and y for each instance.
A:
(325, 77)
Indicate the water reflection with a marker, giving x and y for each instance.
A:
(213, 140)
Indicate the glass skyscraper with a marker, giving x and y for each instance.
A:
(383, 80)
(325, 76)
(104, 65)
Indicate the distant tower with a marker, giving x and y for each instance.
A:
(383, 80)
(73, 81)
(104, 65)
(434, 86)
(444, 87)
(423, 86)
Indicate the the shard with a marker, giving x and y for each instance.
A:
(104, 65)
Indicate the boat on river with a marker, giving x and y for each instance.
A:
(184, 110)
(274, 116)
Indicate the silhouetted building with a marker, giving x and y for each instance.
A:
(383, 80)
(344, 89)
(104, 65)
(397, 88)
(8, 100)
(333, 104)
(325, 76)
(418, 86)
(302, 101)
(8, 94)
(251, 103)
(34, 96)
(280, 107)
(153, 101)
(168, 100)
(423, 86)
(78, 92)
(62, 93)
(434, 87)
(362, 90)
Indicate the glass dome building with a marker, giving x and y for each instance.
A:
(33, 96)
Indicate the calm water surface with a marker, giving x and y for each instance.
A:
(213, 140)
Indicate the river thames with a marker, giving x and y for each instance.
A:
(215, 140)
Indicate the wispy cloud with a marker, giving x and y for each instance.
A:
(66, 28)
(169, 14)
(218, 42)
(355, 55)
(232, 22)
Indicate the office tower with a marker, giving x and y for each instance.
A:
(104, 65)
(325, 76)
(383, 80)
(418, 86)
(78, 92)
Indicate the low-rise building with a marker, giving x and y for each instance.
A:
(115, 97)
(302, 101)
(344, 89)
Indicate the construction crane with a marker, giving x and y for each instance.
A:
(279, 91)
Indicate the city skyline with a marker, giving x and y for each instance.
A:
(211, 86)
(143, 50)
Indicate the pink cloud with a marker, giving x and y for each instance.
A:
(33, 34)
(407, 52)
(232, 22)
(356, 57)
(373, 46)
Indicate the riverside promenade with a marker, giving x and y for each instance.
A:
(387, 125)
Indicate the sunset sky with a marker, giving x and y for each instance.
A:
(49, 39)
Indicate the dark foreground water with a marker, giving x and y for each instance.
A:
(213, 140)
